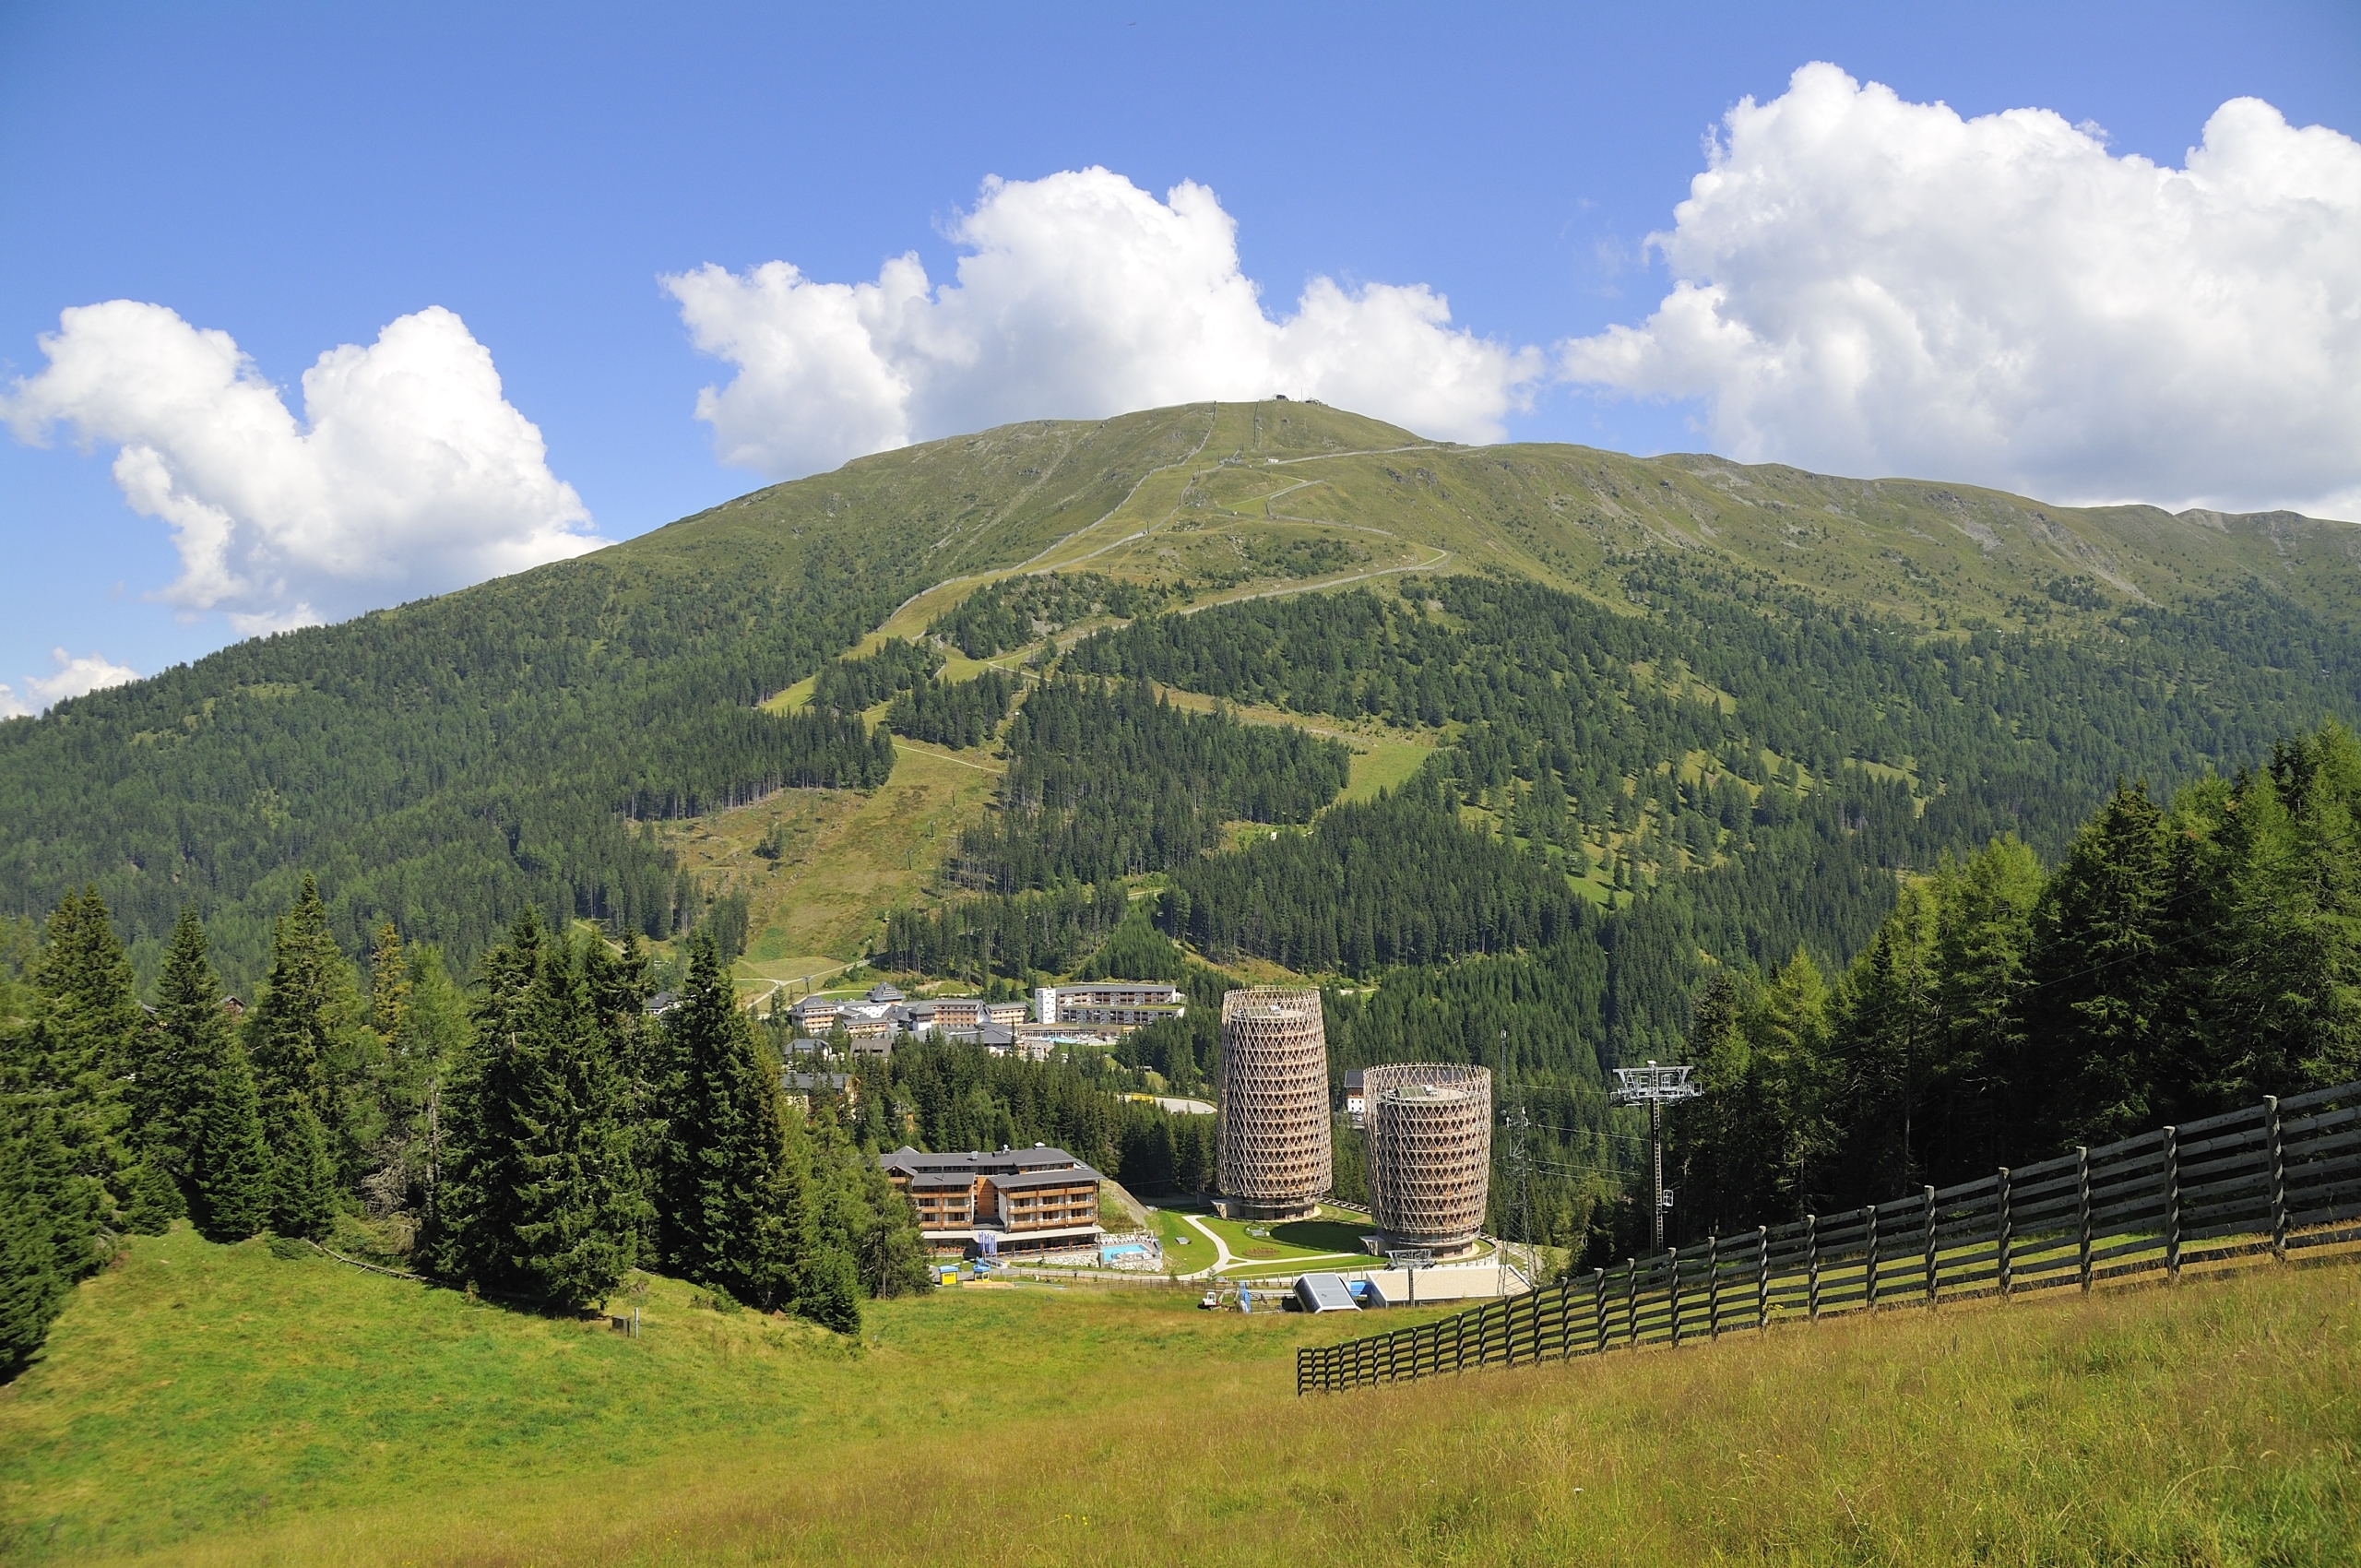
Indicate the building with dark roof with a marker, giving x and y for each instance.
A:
(1028, 1199)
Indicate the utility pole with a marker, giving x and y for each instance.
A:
(1517, 1200)
(1654, 1087)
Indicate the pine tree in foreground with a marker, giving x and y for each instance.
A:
(82, 1049)
(42, 1248)
(185, 1053)
(231, 1166)
(577, 1201)
(736, 1214)
(540, 1197)
(287, 1042)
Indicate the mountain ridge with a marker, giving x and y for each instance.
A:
(508, 741)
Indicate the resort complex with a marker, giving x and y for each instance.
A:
(1018, 1200)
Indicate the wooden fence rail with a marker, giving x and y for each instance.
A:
(2270, 1178)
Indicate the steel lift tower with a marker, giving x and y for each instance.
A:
(1656, 1087)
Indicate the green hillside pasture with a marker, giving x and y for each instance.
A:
(1384, 758)
(197, 1389)
(849, 855)
(2210, 1423)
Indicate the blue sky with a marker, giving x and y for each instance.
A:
(301, 177)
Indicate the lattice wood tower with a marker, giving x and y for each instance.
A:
(1430, 1152)
(1275, 1160)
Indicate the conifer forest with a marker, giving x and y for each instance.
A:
(371, 935)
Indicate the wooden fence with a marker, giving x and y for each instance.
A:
(2274, 1177)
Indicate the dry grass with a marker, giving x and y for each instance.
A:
(2214, 1422)
(851, 855)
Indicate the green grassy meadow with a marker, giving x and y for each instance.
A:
(210, 1405)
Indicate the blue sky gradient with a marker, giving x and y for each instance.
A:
(299, 176)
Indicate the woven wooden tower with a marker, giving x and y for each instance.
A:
(1275, 1159)
(1430, 1152)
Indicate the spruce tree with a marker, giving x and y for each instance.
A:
(1983, 933)
(471, 1207)
(736, 1214)
(2094, 999)
(289, 1040)
(186, 1051)
(82, 1050)
(37, 1260)
(540, 1197)
(620, 988)
(232, 1169)
(577, 1201)
(2285, 1012)
(1883, 1045)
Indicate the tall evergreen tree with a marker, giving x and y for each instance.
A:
(2096, 998)
(81, 1051)
(186, 1052)
(1883, 1045)
(539, 1198)
(306, 1003)
(2285, 1007)
(1983, 933)
(232, 1171)
(621, 987)
(45, 1235)
(577, 1201)
(736, 1212)
(471, 1206)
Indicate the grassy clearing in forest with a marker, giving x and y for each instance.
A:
(849, 855)
(2212, 1422)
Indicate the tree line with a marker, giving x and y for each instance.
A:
(1015, 937)
(1109, 779)
(2181, 957)
(958, 714)
(961, 1097)
(1590, 713)
(1016, 611)
(441, 763)
(535, 1135)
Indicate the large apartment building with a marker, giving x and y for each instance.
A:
(872, 1021)
(1124, 1004)
(1025, 1199)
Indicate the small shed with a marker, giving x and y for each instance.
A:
(1323, 1293)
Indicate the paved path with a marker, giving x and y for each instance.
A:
(1222, 1258)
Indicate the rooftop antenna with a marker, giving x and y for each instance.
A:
(1656, 1087)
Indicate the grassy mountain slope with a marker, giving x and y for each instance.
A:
(441, 762)
(209, 1405)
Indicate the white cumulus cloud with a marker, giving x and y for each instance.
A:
(1873, 286)
(409, 473)
(1080, 296)
(72, 678)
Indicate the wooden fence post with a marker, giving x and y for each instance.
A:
(1811, 1266)
(2000, 1228)
(1599, 1308)
(1763, 1276)
(1870, 1279)
(1672, 1292)
(1931, 1269)
(1631, 1302)
(2083, 1216)
(2278, 1178)
(2171, 1203)
(1712, 1287)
